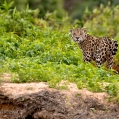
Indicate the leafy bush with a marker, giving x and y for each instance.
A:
(32, 49)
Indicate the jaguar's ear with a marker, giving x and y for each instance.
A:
(84, 29)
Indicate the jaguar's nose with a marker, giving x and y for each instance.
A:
(77, 38)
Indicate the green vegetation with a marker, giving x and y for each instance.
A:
(75, 8)
(35, 50)
(79, 6)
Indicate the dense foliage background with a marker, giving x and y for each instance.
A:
(39, 48)
(75, 8)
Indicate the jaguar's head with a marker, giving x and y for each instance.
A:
(78, 34)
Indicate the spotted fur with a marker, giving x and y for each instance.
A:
(100, 49)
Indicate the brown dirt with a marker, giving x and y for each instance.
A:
(37, 101)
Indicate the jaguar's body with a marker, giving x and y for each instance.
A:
(98, 49)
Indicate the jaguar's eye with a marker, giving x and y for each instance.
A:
(74, 33)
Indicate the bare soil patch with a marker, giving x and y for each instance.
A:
(37, 101)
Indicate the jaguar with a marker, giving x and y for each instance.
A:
(98, 49)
